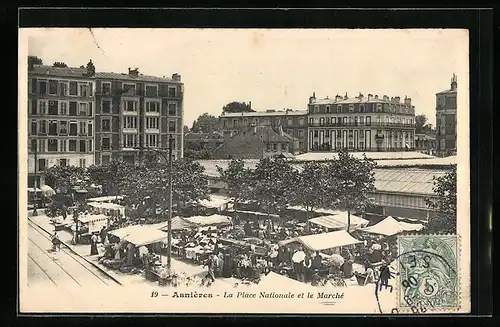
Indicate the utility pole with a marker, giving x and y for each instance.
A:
(169, 223)
(35, 150)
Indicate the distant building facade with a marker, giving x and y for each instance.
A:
(61, 111)
(446, 119)
(257, 142)
(362, 123)
(426, 143)
(134, 112)
(293, 123)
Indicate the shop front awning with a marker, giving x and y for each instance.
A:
(91, 218)
(210, 220)
(178, 223)
(105, 205)
(390, 226)
(328, 222)
(216, 202)
(106, 198)
(323, 241)
(122, 232)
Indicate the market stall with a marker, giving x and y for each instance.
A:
(390, 226)
(87, 225)
(324, 241)
(342, 217)
(109, 209)
(213, 220)
(106, 198)
(328, 222)
(217, 203)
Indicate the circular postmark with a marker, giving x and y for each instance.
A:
(424, 275)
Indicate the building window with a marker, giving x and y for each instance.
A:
(42, 87)
(311, 121)
(172, 92)
(322, 121)
(90, 146)
(63, 162)
(302, 121)
(105, 159)
(42, 164)
(327, 133)
(33, 87)
(172, 109)
(89, 128)
(84, 90)
(351, 108)
(290, 121)
(151, 140)
(152, 122)
(368, 120)
(82, 109)
(42, 127)
(301, 144)
(339, 108)
(42, 104)
(53, 87)
(130, 105)
(53, 127)
(327, 109)
(245, 122)
(129, 90)
(53, 108)
(63, 147)
(106, 88)
(235, 123)
(41, 145)
(73, 128)
(339, 134)
(106, 125)
(316, 133)
(52, 146)
(63, 108)
(129, 122)
(275, 146)
(106, 107)
(224, 123)
(151, 91)
(301, 133)
(152, 106)
(83, 128)
(172, 126)
(106, 143)
(130, 140)
(73, 88)
(82, 163)
(33, 127)
(72, 108)
(362, 108)
(379, 107)
(316, 108)
(327, 120)
(63, 127)
(72, 145)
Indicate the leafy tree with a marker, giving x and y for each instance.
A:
(65, 177)
(236, 106)
(205, 123)
(185, 129)
(271, 187)
(111, 176)
(238, 180)
(310, 187)
(353, 180)
(420, 122)
(59, 64)
(445, 205)
(198, 154)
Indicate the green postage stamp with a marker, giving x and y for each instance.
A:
(428, 273)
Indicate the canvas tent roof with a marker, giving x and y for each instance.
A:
(178, 223)
(89, 218)
(145, 236)
(215, 201)
(122, 232)
(390, 226)
(319, 242)
(105, 205)
(356, 222)
(106, 198)
(328, 222)
(209, 220)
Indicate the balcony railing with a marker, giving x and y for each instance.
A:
(361, 125)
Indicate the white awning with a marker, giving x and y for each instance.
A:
(216, 202)
(90, 218)
(106, 198)
(122, 232)
(105, 205)
(356, 222)
(178, 223)
(145, 236)
(209, 220)
(324, 241)
(328, 222)
(390, 226)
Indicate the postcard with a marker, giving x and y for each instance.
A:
(244, 171)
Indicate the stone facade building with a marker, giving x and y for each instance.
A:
(446, 119)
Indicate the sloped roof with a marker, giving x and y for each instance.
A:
(59, 71)
(448, 91)
(390, 226)
(319, 156)
(415, 181)
(324, 241)
(264, 113)
(127, 77)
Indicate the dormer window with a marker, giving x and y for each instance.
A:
(316, 108)
(362, 108)
(351, 108)
(327, 109)
(339, 108)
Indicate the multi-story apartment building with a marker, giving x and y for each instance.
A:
(446, 119)
(361, 123)
(61, 110)
(134, 112)
(293, 123)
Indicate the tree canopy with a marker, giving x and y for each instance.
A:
(205, 123)
(422, 125)
(65, 177)
(238, 180)
(59, 64)
(111, 176)
(445, 204)
(236, 106)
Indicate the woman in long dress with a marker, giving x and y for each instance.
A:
(93, 245)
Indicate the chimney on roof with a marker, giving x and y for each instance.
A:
(133, 72)
(345, 96)
(176, 77)
(454, 82)
(376, 97)
(386, 98)
(370, 97)
(250, 105)
(90, 69)
(360, 96)
(397, 99)
(338, 98)
(407, 101)
(313, 98)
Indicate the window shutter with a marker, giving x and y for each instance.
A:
(90, 109)
(90, 89)
(34, 85)
(34, 107)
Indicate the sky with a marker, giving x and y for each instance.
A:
(272, 68)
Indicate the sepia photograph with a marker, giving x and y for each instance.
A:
(244, 171)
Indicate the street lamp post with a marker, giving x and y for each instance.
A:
(170, 192)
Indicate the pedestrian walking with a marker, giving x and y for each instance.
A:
(93, 245)
(56, 242)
